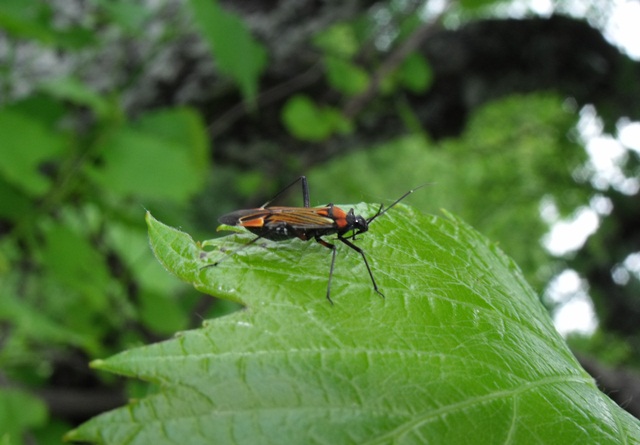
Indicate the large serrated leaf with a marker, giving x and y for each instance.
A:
(459, 351)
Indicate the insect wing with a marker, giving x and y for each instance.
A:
(300, 218)
(246, 218)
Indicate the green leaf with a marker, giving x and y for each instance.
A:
(31, 19)
(306, 120)
(477, 4)
(415, 73)
(338, 40)
(132, 245)
(72, 89)
(26, 144)
(160, 313)
(128, 15)
(22, 19)
(31, 324)
(181, 125)
(76, 263)
(460, 348)
(345, 76)
(164, 157)
(19, 412)
(15, 205)
(236, 52)
(41, 107)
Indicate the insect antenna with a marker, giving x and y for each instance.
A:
(382, 210)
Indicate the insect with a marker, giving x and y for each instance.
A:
(306, 223)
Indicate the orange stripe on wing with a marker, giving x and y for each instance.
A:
(303, 217)
(252, 221)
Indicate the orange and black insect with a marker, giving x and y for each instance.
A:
(306, 223)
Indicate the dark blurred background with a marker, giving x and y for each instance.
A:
(524, 119)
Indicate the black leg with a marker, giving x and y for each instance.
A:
(305, 192)
(265, 235)
(366, 263)
(333, 262)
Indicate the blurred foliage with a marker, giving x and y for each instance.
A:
(309, 122)
(20, 411)
(609, 348)
(228, 37)
(80, 161)
(76, 173)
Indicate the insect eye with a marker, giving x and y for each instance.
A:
(361, 224)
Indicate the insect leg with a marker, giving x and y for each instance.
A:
(265, 235)
(305, 192)
(333, 262)
(366, 263)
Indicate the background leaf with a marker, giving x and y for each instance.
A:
(338, 40)
(19, 165)
(460, 347)
(345, 76)
(72, 89)
(29, 19)
(161, 156)
(237, 53)
(415, 73)
(308, 121)
(19, 411)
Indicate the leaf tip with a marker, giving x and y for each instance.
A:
(97, 364)
(149, 218)
(71, 436)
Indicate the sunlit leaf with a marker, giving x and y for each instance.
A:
(459, 348)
